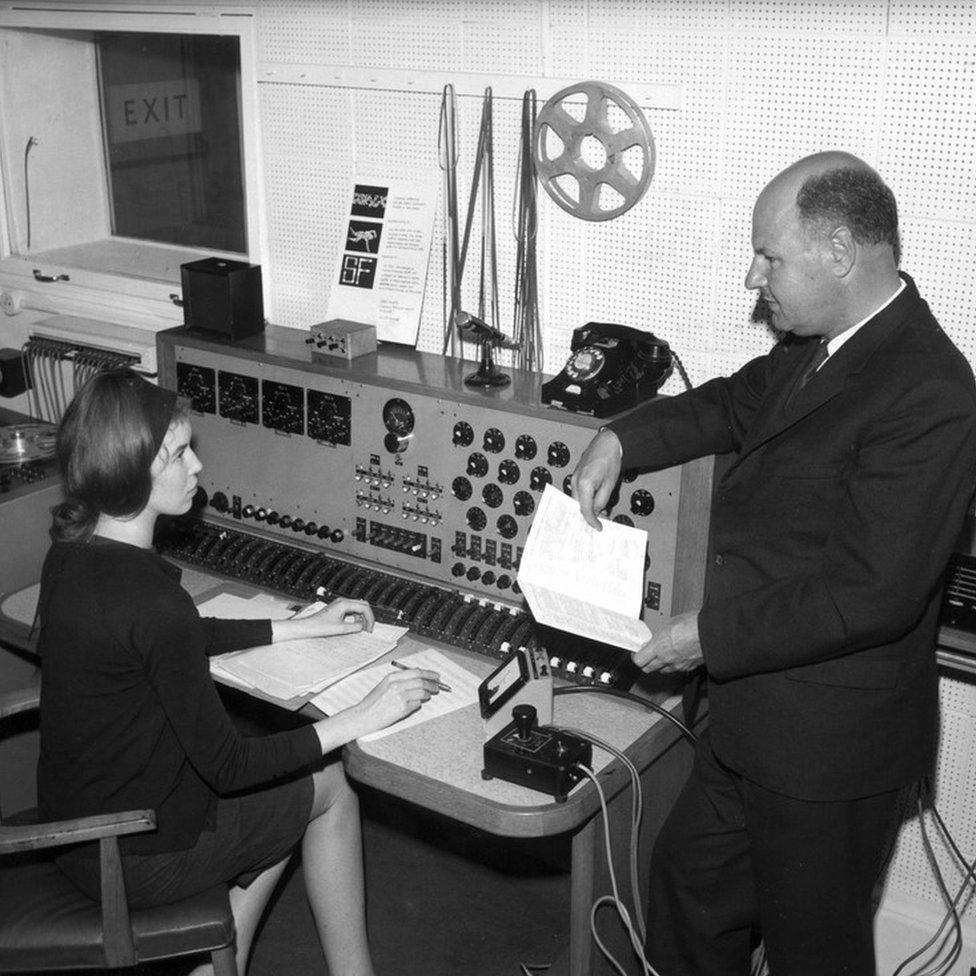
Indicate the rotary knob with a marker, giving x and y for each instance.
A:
(558, 454)
(463, 434)
(525, 447)
(523, 503)
(508, 472)
(494, 441)
(477, 465)
(539, 478)
(642, 502)
(507, 527)
(492, 495)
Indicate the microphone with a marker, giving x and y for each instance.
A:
(479, 329)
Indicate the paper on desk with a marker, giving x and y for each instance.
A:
(352, 690)
(261, 606)
(296, 668)
(583, 581)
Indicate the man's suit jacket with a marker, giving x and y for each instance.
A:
(830, 534)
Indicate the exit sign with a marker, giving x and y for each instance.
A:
(149, 110)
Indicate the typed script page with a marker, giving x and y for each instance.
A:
(584, 581)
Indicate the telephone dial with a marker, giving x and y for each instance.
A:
(611, 368)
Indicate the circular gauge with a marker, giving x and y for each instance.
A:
(398, 417)
(461, 488)
(476, 519)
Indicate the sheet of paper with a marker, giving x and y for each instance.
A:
(583, 581)
(261, 606)
(350, 691)
(383, 257)
(301, 667)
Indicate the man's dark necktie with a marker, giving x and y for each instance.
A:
(816, 361)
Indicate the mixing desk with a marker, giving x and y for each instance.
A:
(386, 478)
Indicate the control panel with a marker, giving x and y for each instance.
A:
(390, 462)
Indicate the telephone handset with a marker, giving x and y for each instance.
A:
(611, 368)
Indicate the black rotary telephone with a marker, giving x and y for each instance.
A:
(611, 369)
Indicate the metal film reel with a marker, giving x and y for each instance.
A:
(594, 153)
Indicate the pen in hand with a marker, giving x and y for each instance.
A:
(406, 667)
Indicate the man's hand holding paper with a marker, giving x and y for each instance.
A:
(675, 646)
(581, 580)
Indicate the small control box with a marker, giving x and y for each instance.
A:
(536, 756)
(342, 339)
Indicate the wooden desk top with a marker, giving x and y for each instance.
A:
(437, 764)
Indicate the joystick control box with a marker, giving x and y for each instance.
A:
(536, 756)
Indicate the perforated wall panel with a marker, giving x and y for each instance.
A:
(762, 82)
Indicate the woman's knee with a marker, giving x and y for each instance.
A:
(331, 789)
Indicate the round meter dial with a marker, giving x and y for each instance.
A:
(398, 417)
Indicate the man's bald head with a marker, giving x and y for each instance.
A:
(832, 189)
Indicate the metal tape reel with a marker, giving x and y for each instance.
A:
(585, 142)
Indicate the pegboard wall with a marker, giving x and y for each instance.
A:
(890, 80)
(762, 83)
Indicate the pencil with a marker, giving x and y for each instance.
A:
(407, 667)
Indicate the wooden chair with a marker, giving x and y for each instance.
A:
(46, 923)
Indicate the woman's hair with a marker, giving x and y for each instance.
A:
(106, 444)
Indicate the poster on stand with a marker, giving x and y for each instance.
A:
(381, 273)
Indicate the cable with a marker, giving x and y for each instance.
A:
(949, 943)
(681, 369)
(637, 811)
(628, 696)
(614, 899)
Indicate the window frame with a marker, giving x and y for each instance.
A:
(127, 296)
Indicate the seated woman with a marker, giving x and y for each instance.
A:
(130, 718)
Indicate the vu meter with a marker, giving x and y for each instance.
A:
(399, 421)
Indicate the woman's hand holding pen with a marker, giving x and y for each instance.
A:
(393, 698)
(341, 616)
(396, 696)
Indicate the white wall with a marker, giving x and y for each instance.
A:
(762, 82)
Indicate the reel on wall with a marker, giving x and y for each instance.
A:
(598, 166)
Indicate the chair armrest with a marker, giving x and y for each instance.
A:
(20, 700)
(57, 833)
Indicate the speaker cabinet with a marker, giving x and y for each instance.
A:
(223, 297)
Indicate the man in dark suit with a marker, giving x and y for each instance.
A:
(853, 448)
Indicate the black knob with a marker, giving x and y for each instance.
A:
(247, 511)
(273, 518)
(337, 535)
(261, 514)
(473, 573)
(324, 532)
(311, 528)
(525, 718)
(457, 569)
(219, 502)
(284, 521)
(298, 525)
